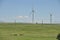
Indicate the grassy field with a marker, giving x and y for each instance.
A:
(10, 31)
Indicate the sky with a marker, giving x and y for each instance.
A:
(21, 10)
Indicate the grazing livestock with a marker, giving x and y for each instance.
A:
(15, 34)
(21, 34)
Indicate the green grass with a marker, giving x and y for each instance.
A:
(29, 31)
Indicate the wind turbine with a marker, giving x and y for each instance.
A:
(50, 18)
(33, 12)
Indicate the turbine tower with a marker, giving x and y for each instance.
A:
(50, 18)
(32, 15)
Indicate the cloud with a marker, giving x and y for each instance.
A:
(19, 17)
(25, 16)
(22, 17)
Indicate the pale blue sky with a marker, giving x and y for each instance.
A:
(9, 9)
